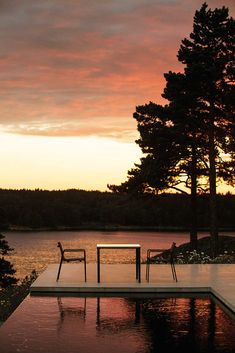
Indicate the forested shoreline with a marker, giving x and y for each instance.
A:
(80, 209)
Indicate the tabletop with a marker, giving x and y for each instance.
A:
(121, 246)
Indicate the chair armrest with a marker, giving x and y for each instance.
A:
(157, 251)
(150, 252)
(74, 250)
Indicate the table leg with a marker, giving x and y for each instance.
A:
(139, 265)
(98, 265)
(136, 264)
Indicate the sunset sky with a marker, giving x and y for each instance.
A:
(72, 73)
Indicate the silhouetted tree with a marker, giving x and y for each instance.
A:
(185, 140)
(6, 268)
(186, 118)
(209, 59)
(168, 139)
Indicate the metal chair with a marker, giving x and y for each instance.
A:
(70, 259)
(167, 259)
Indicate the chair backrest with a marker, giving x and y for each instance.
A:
(172, 250)
(59, 245)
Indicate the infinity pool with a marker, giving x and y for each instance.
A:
(124, 324)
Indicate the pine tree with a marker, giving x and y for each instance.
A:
(184, 141)
(168, 143)
(209, 59)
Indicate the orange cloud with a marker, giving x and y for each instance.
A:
(77, 68)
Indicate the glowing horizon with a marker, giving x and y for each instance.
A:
(85, 163)
(81, 163)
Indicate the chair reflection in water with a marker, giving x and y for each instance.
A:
(167, 258)
(72, 308)
(64, 258)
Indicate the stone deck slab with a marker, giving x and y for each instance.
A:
(217, 279)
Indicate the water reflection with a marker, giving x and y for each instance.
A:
(155, 325)
(123, 318)
(70, 310)
(115, 324)
(211, 327)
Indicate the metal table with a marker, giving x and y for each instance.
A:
(137, 248)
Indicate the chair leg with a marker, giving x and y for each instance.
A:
(174, 271)
(148, 272)
(85, 268)
(176, 279)
(58, 275)
(147, 267)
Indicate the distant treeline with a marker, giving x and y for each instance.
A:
(94, 210)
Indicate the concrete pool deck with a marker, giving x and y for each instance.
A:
(217, 279)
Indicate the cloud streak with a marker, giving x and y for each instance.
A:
(78, 68)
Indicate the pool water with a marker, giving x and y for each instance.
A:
(124, 324)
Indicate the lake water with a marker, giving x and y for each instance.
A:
(35, 250)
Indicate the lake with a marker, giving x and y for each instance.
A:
(35, 250)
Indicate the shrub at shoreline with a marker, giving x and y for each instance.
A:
(203, 254)
(12, 296)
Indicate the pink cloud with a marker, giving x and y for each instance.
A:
(80, 68)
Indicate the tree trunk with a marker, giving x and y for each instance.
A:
(193, 201)
(213, 198)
